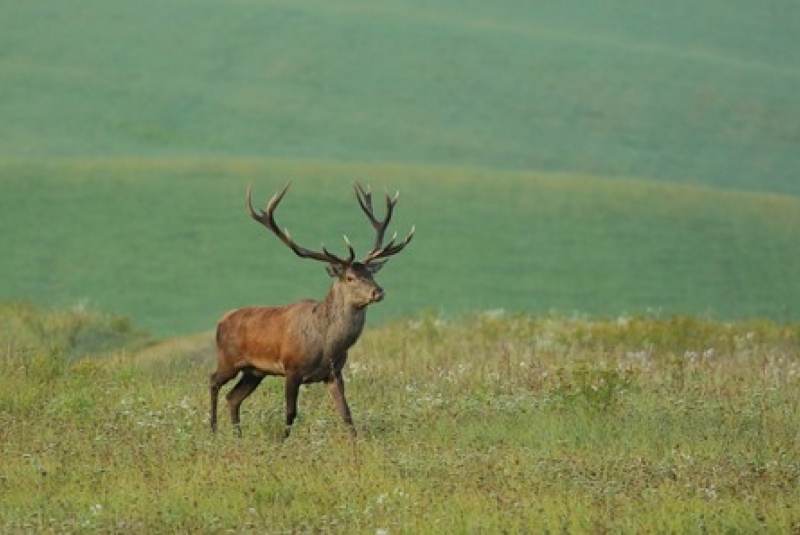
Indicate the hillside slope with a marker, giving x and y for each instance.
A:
(168, 242)
(671, 91)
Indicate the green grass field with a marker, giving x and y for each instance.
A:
(488, 425)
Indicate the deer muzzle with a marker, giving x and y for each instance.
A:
(377, 294)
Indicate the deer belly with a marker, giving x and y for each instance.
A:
(317, 375)
(322, 369)
(262, 368)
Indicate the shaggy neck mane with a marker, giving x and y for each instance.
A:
(344, 320)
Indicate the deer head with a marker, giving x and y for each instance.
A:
(354, 277)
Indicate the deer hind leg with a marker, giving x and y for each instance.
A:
(217, 380)
(336, 390)
(246, 385)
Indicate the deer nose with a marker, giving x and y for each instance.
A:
(378, 294)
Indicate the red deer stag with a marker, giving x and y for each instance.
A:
(307, 341)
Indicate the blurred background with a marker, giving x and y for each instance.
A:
(571, 157)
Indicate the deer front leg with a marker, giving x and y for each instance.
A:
(336, 389)
(292, 393)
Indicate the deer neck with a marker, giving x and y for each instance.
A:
(340, 319)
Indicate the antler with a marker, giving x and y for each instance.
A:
(380, 251)
(267, 218)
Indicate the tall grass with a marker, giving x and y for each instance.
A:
(491, 424)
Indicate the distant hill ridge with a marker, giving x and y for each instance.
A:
(672, 91)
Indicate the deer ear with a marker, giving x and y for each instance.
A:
(334, 270)
(375, 267)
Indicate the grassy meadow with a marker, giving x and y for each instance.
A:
(569, 157)
(491, 424)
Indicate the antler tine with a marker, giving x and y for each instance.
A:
(351, 254)
(390, 249)
(267, 218)
(364, 197)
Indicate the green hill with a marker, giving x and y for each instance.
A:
(599, 158)
(169, 242)
(667, 90)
